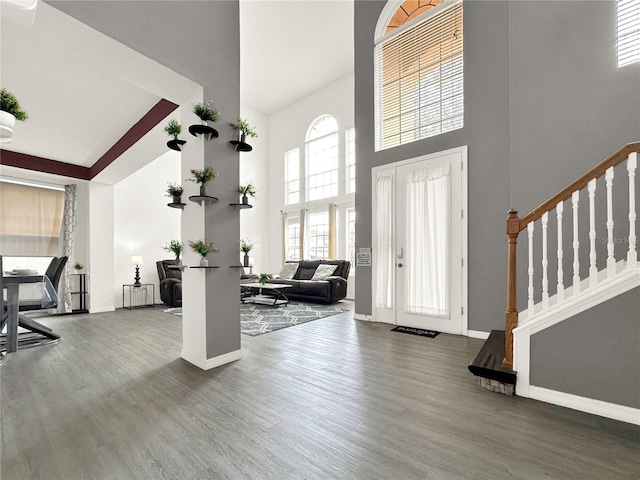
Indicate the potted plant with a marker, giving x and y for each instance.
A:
(246, 246)
(173, 129)
(175, 190)
(245, 190)
(206, 112)
(203, 177)
(264, 278)
(202, 247)
(175, 247)
(10, 111)
(245, 131)
(78, 266)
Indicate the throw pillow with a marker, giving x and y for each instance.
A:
(288, 271)
(323, 272)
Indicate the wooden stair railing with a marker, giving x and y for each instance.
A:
(515, 225)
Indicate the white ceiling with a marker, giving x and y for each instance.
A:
(78, 107)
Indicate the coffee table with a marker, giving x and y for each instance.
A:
(264, 293)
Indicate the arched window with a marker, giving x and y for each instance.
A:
(322, 158)
(418, 71)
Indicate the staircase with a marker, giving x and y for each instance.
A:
(613, 269)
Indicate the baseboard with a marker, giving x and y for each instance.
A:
(588, 405)
(214, 362)
(102, 309)
(477, 334)
(362, 316)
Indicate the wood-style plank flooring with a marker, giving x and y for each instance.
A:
(330, 399)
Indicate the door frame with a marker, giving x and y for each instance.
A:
(389, 315)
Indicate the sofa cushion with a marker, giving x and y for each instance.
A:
(173, 273)
(306, 269)
(288, 270)
(323, 272)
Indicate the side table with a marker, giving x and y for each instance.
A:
(141, 296)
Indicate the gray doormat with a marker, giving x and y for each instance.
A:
(416, 331)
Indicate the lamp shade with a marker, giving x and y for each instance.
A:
(136, 260)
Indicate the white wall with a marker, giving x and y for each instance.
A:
(143, 223)
(254, 168)
(287, 130)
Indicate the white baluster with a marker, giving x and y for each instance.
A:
(530, 271)
(593, 269)
(545, 261)
(575, 200)
(611, 260)
(560, 253)
(632, 254)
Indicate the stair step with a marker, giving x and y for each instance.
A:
(488, 361)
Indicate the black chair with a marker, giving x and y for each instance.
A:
(37, 333)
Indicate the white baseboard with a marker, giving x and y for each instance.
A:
(209, 363)
(361, 316)
(102, 309)
(588, 405)
(478, 334)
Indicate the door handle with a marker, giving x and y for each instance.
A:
(399, 265)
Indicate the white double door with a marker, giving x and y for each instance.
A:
(419, 242)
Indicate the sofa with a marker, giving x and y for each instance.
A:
(170, 283)
(314, 280)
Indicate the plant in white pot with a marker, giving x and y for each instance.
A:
(206, 112)
(173, 129)
(202, 247)
(10, 111)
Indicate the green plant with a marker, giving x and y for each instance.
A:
(173, 128)
(206, 111)
(264, 278)
(246, 246)
(9, 103)
(203, 176)
(247, 189)
(244, 127)
(202, 247)
(174, 246)
(174, 190)
(78, 266)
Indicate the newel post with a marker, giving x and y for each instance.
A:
(513, 229)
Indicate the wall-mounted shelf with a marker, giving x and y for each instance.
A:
(203, 199)
(241, 146)
(204, 130)
(236, 266)
(240, 205)
(198, 266)
(176, 144)
(176, 267)
(176, 205)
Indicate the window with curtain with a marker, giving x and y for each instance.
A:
(628, 37)
(30, 219)
(418, 73)
(350, 141)
(351, 235)
(293, 238)
(321, 151)
(292, 176)
(318, 239)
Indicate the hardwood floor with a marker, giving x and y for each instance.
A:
(330, 399)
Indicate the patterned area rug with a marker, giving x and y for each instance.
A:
(257, 319)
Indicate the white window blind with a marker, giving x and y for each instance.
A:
(419, 80)
(628, 41)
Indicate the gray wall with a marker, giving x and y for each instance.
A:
(201, 41)
(595, 354)
(544, 102)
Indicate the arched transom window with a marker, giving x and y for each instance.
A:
(322, 158)
(418, 71)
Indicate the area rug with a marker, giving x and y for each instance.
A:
(416, 331)
(257, 319)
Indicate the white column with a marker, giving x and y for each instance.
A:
(611, 260)
(545, 261)
(560, 253)
(632, 253)
(531, 289)
(101, 249)
(593, 269)
(575, 200)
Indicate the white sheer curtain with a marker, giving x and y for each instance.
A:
(427, 291)
(333, 236)
(285, 240)
(384, 253)
(67, 237)
(303, 233)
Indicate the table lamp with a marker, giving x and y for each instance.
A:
(137, 261)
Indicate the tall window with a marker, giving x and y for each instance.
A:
(628, 32)
(292, 176)
(293, 238)
(351, 235)
(419, 73)
(318, 235)
(322, 158)
(30, 219)
(351, 160)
